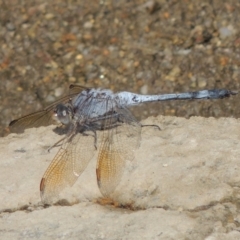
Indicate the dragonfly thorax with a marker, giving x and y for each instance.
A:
(93, 103)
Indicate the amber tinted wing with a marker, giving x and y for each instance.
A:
(43, 117)
(68, 164)
(118, 145)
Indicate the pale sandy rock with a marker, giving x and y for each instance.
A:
(183, 184)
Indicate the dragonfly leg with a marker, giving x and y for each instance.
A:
(95, 139)
(95, 136)
(56, 144)
(66, 129)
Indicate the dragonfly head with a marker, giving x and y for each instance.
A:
(63, 114)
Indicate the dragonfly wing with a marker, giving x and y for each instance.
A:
(68, 164)
(43, 117)
(118, 145)
(37, 119)
(76, 89)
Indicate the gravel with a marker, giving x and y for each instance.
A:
(141, 46)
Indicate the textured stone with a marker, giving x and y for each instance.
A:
(183, 184)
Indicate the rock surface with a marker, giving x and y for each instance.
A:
(184, 183)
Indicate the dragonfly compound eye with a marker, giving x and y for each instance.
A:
(62, 114)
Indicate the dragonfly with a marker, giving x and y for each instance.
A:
(95, 120)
